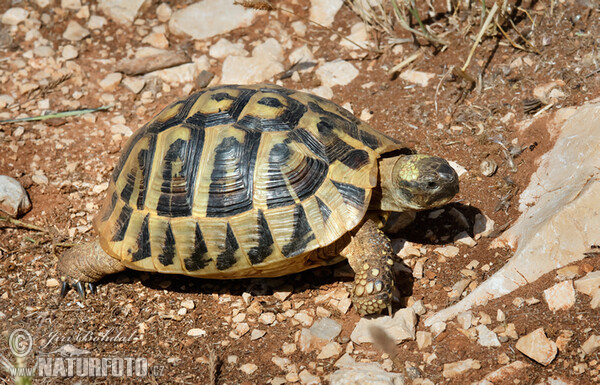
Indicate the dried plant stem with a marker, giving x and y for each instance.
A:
(405, 62)
(484, 28)
(22, 224)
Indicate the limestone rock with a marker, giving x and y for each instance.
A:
(417, 77)
(14, 16)
(75, 32)
(336, 73)
(111, 81)
(163, 12)
(359, 34)
(224, 48)
(502, 374)
(121, 11)
(589, 283)
(361, 373)
(399, 328)
(487, 337)
(538, 347)
(555, 228)
(591, 344)
(263, 65)
(560, 296)
(319, 334)
(455, 369)
(209, 18)
(13, 197)
(324, 11)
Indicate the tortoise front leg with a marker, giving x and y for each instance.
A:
(85, 263)
(371, 257)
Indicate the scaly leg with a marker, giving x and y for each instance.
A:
(85, 264)
(371, 257)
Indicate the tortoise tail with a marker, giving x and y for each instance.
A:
(87, 263)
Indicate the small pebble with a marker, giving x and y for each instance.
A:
(196, 332)
(248, 368)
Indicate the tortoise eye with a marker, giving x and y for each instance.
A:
(432, 185)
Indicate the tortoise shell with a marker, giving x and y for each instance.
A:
(240, 181)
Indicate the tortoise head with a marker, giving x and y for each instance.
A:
(416, 182)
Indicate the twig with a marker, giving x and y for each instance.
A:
(22, 224)
(405, 62)
(57, 115)
(480, 35)
(213, 363)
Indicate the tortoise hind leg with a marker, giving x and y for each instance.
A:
(85, 264)
(371, 257)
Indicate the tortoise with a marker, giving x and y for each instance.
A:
(241, 181)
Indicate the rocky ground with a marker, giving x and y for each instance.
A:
(76, 54)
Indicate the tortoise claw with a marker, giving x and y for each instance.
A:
(64, 289)
(80, 289)
(92, 287)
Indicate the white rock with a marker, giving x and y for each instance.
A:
(75, 32)
(595, 303)
(72, 5)
(43, 3)
(6, 100)
(483, 226)
(364, 374)
(307, 378)
(14, 16)
(538, 347)
(269, 49)
(299, 28)
(111, 81)
(39, 179)
(424, 339)
(303, 318)
(487, 337)
(326, 329)
(447, 251)
(543, 91)
(438, 328)
(560, 296)
(589, 283)
(324, 11)
(182, 74)
(502, 374)
(249, 70)
(399, 328)
(134, 84)
(417, 77)
(43, 51)
(555, 228)
(455, 369)
(465, 319)
(332, 349)
(458, 288)
(336, 73)
(359, 34)
(463, 238)
(248, 368)
(209, 18)
(302, 54)
(52, 282)
(163, 12)
(69, 52)
(591, 344)
(224, 48)
(121, 11)
(196, 332)
(188, 304)
(267, 318)
(322, 91)
(157, 40)
(121, 129)
(460, 170)
(96, 22)
(288, 348)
